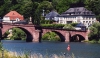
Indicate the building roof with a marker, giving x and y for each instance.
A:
(51, 15)
(77, 11)
(13, 15)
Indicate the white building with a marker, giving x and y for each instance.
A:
(77, 15)
(12, 17)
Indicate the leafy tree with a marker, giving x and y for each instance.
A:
(18, 34)
(68, 26)
(14, 2)
(73, 24)
(46, 5)
(34, 8)
(51, 36)
(93, 5)
(61, 5)
(4, 9)
(94, 31)
(1, 2)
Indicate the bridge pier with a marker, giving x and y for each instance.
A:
(67, 36)
(36, 35)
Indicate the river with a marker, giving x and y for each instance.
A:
(79, 49)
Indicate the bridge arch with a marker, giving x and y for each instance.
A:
(29, 37)
(58, 33)
(77, 38)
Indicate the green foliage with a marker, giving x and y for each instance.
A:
(51, 36)
(46, 5)
(6, 34)
(35, 8)
(99, 41)
(1, 46)
(52, 25)
(69, 27)
(93, 5)
(73, 24)
(94, 31)
(61, 5)
(46, 21)
(93, 41)
(18, 34)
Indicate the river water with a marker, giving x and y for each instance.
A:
(79, 49)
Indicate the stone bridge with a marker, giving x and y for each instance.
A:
(68, 35)
(34, 34)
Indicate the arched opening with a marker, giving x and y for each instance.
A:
(77, 38)
(29, 37)
(17, 33)
(53, 36)
(60, 35)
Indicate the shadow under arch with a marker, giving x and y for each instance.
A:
(77, 38)
(29, 37)
(59, 34)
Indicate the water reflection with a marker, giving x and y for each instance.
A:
(80, 50)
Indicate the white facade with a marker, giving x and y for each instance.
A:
(7, 19)
(12, 17)
(77, 15)
(87, 21)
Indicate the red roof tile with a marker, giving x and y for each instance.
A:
(13, 15)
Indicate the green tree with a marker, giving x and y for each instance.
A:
(68, 26)
(61, 5)
(93, 5)
(51, 36)
(14, 2)
(4, 9)
(46, 5)
(1, 2)
(94, 31)
(18, 34)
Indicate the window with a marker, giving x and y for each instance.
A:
(17, 19)
(68, 22)
(86, 21)
(83, 21)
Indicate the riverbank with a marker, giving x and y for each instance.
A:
(9, 54)
(93, 41)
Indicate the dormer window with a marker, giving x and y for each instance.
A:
(77, 9)
(17, 19)
(87, 12)
(84, 12)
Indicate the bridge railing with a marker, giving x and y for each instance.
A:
(63, 29)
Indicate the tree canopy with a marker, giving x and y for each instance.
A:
(95, 31)
(34, 8)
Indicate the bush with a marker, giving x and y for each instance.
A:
(93, 41)
(46, 21)
(51, 36)
(69, 27)
(53, 25)
(73, 24)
